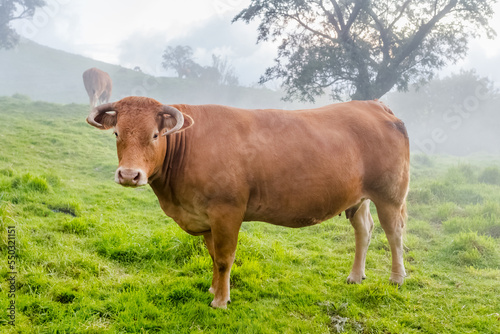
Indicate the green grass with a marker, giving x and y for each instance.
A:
(94, 257)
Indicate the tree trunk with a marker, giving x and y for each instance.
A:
(370, 90)
(364, 91)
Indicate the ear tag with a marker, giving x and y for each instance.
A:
(112, 113)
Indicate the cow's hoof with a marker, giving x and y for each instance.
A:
(355, 278)
(211, 290)
(217, 304)
(397, 279)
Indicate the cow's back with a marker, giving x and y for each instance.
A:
(293, 168)
(96, 81)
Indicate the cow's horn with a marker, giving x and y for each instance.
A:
(175, 114)
(97, 111)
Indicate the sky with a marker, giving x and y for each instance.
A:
(135, 33)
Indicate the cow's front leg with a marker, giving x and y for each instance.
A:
(224, 229)
(209, 242)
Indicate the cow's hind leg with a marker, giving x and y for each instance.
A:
(392, 218)
(362, 222)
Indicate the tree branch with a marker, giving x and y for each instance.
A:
(401, 13)
(314, 31)
(422, 32)
(338, 12)
(331, 18)
(355, 12)
(23, 15)
(383, 34)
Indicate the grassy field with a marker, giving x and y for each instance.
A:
(94, 257)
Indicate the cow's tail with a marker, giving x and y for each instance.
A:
(404, 214)
(404, 210)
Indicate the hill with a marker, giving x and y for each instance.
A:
(46, 74)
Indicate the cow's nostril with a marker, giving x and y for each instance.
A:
(130, 177)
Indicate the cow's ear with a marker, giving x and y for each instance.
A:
(106, 119)
(168, 122)
(103, 117)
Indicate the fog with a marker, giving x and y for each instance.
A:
(86, 254)
(66, 37)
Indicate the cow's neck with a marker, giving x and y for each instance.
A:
(162, 182)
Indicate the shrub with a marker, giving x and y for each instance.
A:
(76, 226)
(461, 174)
(421, 229)
(471, 249)
(444, 212)
(180, 295)
(483, 219)
(36, 209)
(65, 297)
(21, 97)
(38, 184)
(490, 175)
(115, 246)
(476, 224)
(421, 159)
(448, 192)
(29, 182)
(420, 196)
(127, 248)
(7, 172)
(53, 180)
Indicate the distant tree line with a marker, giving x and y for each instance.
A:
(457, 114)
(180, 59)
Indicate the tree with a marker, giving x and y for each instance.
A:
(11, 10)
(364, 48)
(457, 114)
(220, 72)
(180, 59)
(457, 93)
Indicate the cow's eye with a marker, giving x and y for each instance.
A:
(155, 136)
(116, 134)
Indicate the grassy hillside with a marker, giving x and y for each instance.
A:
(94, 257)
(51, 75)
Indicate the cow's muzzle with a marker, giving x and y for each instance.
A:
(130, 177)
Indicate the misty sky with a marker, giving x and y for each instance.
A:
(135, 33)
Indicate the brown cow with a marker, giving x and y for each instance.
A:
(289, 168)
(98, 85)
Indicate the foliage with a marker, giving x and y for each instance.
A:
(181, 60)
(441, 96)
(95, 257)
(364, 48)
(11, 10)
(490, 175)
(462, 108)
(470, 249)
(220, 72)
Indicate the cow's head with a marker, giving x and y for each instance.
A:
(140, 125)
